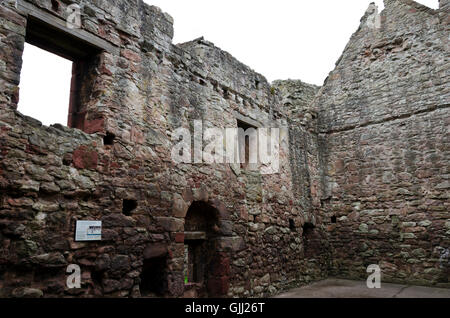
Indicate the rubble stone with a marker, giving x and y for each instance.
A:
(363, 166)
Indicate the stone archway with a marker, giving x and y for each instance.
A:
(213, 235)
(206, 269)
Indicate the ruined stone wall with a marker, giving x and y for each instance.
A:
(384, 122)
(305, 145)
(363, 169)
(296, 98)
(143, 91)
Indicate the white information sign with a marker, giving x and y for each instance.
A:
(88, 231)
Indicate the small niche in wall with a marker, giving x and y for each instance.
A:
(226, 93)
(129, 206)
(55, 5)
(310, 243)
(153, 279)
(108, 140)
(247, 137)
(334, 219)
(257, 84)
(292, 225)
(67, 159)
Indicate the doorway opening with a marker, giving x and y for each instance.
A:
(154, 277)
(202, 258)
(311, 242)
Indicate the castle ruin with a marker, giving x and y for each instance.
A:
(364, 173)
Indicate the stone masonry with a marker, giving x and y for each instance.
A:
(364, 168)
(384, 127)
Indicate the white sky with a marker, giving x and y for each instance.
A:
(45, 86)
(297, 39)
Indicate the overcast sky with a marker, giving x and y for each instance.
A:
(297, 39)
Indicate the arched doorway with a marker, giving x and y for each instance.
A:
(203, 263)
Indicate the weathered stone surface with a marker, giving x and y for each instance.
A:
(171, 224)
(180, 207)
(155, 250)
(85, 158)
(24, 292)
(235, 244)
(49, 260)
(382, 118)
(363, 173)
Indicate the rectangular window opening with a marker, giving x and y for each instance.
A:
(194, 263)
(244, 142)
(45, 83)
(58, 75)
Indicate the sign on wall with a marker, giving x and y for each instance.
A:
(88, 231)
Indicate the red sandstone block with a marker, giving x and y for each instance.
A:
(218, 286)
(132, 56)
(243, 213)
(155, 250)
(94, 126)
(221, 266)
(84, 158)
(179, 237)
(20, 202)
(35, 150)
(223, 212)
(188, 195)
(136, 136)
(105, 70)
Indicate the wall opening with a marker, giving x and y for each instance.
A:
(97, 279)
(195, 261)
(248, 139)
(108, 140)
(45, 86)
(226, 93)
(311, 244)
(154, 277)
(334, 219)
(201, 255)
(292, 225)
(128, 206)
(58, 75)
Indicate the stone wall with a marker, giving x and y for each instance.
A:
(363, 169)
(305, 146)
(384, 122)
(143, 90)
